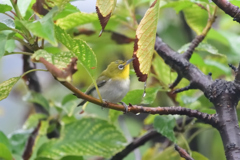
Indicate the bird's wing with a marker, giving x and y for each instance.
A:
(100, 82)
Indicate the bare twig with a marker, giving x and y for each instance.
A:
(175, 83)
(183, 153)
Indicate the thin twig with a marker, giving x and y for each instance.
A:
(9, 16)
(183, 153)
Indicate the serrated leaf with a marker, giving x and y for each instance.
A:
(80, 48)
(88, 136)
(144, 47)
(38, 98)
(5, 153)
(76, 19)
(62, 65)
(4, 8)
(60, 60)
(6, 87)
(196, 18)
(104, 10)
(6, 24)
(44, 27)
(4, 140)
(164, 125)
(33, 120)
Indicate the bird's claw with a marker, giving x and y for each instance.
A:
(125, 106)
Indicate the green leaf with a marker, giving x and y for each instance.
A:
(68, 9)
(5, 153)
(69, 103)
(178, 5)
(76, 19)
(6, 87)
(113, 115)
(83, 52)
(72, 158)
(136, 96)
(198, 156)
(151, 94)
(164, 125)
(144, 47)
(202, 47)
(33, 120)
(88, 136)
(38, 98)
(133, 97)
(196, 18)
(6, 24)
(18, 140)
(22, 5)
(4, 140)
(160, 68)
(10, 45)
(44, 27)
(60, 60)
(3, 40)
(4, 8)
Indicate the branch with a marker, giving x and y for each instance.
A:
(198, 39)
(183, 153)
(135, 144)
(30, 143)
(146, 137)
(237, 76)
(206, 118)
(229, 9)
(175, 83)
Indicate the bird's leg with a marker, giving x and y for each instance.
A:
(125, 106)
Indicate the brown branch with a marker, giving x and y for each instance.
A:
(223, 94)
(198, 39)
(190, 86)
(229, 9)
(175, 83)
(183, 153)
(30, 143)
(237, 76)
(206, 118)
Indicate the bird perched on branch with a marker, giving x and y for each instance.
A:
(113, 83)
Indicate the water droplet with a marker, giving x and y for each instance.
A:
(137, 113)
(144, 89)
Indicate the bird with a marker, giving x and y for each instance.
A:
(113, 83)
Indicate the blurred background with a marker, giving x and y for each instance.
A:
(174, 30)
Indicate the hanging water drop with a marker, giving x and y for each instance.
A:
(144, 89)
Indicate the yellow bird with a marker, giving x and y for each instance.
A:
(113, 82)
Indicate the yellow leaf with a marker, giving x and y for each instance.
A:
(145, 40)
(104, 10)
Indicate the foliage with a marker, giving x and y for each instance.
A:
(66, 32)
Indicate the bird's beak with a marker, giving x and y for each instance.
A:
(129, 61)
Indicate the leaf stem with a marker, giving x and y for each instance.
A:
(186, 143)
(33, 70)
(18, 14)
(9, 16)
(22, 42)
(25, 53)
(132, 14)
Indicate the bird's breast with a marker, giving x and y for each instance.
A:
(113, 90)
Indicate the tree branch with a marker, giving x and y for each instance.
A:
(183, 153)
(223, 94)
(206, 118)
(229, 9)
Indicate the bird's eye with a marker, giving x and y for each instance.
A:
(120, 66)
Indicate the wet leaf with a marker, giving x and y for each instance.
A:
(145, 40)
